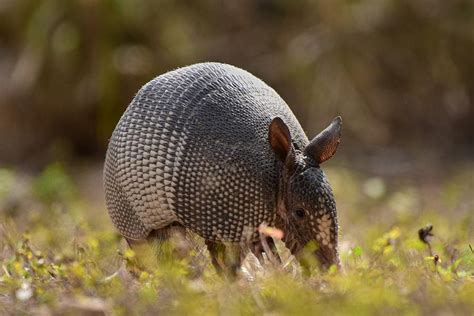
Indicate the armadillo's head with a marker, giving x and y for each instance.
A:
(306, 207)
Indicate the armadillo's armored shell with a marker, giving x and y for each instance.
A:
(193, 148)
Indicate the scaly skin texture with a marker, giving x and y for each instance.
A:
(195, 148)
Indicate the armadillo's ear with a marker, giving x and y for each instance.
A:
(280, 140)
(324, 145)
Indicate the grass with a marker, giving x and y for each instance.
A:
(60, 254)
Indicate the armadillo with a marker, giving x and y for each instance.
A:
(213, 149)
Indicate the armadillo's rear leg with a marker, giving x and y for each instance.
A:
(216, 252)
(158, 247)
(225, 258)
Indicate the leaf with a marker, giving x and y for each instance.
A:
(357, 251)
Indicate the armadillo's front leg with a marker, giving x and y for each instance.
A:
(270, 249)
(273, 249)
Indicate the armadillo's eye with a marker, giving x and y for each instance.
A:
(299, 213)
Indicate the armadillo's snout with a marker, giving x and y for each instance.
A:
(328, 256)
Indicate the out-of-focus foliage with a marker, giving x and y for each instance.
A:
(54, 185)
(65, 258)
(400, 72)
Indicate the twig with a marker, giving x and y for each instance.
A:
(425, 235)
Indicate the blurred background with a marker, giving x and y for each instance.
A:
(400, 73)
